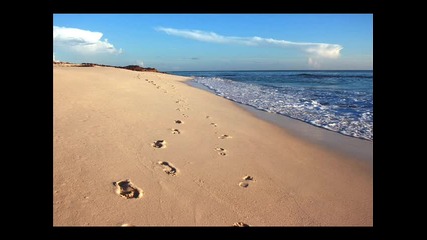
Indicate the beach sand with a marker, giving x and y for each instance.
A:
(145, 149)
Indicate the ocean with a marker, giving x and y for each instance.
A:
(340, 101)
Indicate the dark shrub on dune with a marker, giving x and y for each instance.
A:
(129, 67)
(87, 65)
(140, 69)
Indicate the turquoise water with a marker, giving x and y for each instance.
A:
(340, 101)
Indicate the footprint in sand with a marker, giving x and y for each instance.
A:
(127, 189)
(240, 224)
(126, 225)
(179, 121)
(214, 124)
(185, 115)
(175, 131)
(224, 136)
(159, 144)
(221, 151)
(168, 168)
(245, 183)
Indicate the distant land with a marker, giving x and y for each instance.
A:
(129, 67)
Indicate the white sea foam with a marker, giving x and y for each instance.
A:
(336, 111)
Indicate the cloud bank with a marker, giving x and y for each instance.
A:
(315, 50)
(82, 41)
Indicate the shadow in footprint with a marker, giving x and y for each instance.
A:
(168, 168)
(159, 144)
(248, 178)
(245, 183)
(127, 189)
(179, 121)
(224, 136)
(175, 131)
(221, 151)
(240, 224)
(214, 124)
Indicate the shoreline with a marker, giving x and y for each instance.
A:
(190, 157)
(353, 147)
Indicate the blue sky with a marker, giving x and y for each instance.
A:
(174, 42)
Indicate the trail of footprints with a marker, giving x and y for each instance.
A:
(154, 84)
(128, 190)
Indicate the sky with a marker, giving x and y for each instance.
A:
(208, 42)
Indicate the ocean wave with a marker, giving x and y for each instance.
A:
(323, 75)
(344, 111)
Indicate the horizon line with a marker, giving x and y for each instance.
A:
(268, 70)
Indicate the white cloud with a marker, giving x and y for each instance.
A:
(325, 50)
(196, 35)
(315, 50)
(82, 41)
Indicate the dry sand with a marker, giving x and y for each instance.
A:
(145, 149)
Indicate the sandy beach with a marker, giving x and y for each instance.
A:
(145, 149)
